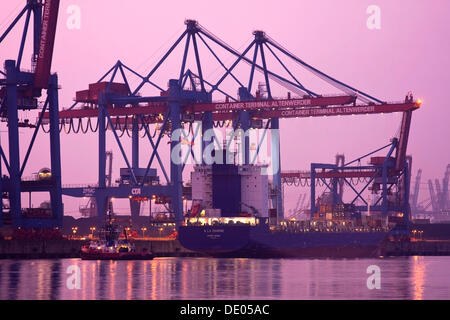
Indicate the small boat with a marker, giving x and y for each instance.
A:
(110, 247)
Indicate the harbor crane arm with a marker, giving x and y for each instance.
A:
(434, 204)
(404, 135)
(403, 140)
(415, 196)
(46, 42)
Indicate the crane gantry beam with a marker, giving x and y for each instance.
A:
(267, 109)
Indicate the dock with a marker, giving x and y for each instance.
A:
(65, 248)
(419, 248)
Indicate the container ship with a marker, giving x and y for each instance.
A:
(234, 214)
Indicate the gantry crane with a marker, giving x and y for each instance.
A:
(21, 90)
(384, 173)
(189, 99)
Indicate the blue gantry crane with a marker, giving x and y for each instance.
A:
(25, 90)
(113, 104)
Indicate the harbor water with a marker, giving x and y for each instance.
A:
(416, 277)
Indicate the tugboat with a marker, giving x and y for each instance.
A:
(110, 247)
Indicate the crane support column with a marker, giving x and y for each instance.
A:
(334, 186)
(406, 207)
(244, 120)
(384, 203)
(101, 143)
(244, 123)
(135, 206)
(176, 178)
(135, 144)
(13, 134)
(313, 191)
(276, 165)
(207, 124)
(100, 199)
(55, 154)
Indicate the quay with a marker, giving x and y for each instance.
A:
(70, 248)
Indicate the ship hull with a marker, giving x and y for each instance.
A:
(260, 242)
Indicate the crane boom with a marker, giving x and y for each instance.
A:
(46, 43)
(439, 195)
(415, 196)
(434, 204)
(403, 140)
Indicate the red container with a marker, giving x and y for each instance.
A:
(95, 89)
(378, 161)
(82, 96)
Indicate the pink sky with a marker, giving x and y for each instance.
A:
(409, 52)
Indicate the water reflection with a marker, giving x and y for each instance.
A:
(55, 280)
(102, 279)
(14, 279)
(418, 276)
(201, 278)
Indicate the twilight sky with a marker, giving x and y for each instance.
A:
(409, 52)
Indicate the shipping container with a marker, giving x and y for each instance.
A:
(378, 161)
(95, 89)
(82, 96)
